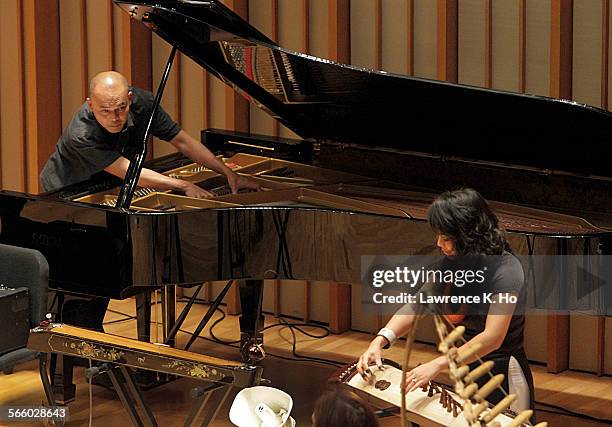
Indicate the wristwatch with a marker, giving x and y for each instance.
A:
(389, 335)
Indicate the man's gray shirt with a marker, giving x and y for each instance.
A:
(86, 148)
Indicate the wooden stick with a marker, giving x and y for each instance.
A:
(407, 351)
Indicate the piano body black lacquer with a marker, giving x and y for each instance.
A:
(356, 185)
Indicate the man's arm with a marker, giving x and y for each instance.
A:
(197, 152)
(149, 178)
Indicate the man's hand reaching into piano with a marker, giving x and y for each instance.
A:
(238, 182)
(152, 179)
(193, 190)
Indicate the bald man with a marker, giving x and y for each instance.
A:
(107, 130)
(104, 133)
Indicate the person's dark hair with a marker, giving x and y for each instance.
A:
(465, 216)
(338, 407)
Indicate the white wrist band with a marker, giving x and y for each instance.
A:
(389, 335)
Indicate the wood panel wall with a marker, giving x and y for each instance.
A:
(50, 49)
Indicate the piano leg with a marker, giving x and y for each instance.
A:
(143, 315)
(251, 320)
(64, 390)
(61, 368)
(168, 294)
(146, 379)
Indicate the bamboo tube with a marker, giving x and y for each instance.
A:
(521, 418)
(479, 371)
(488, 388)
(500, 407)
(468, 352)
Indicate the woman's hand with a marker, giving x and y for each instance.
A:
(422, 374)
(372, 355)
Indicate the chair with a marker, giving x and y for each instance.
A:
(21, 267)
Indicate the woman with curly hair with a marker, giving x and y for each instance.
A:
(468, 235)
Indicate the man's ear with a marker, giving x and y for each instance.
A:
(89, 103)
(130, 94)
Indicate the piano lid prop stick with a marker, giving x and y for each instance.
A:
(135, 168)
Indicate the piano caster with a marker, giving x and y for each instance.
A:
(251, 348)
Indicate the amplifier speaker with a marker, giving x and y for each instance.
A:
(14, 318)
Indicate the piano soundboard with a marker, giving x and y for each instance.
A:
(292, 184)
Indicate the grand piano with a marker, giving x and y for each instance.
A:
(355, 184)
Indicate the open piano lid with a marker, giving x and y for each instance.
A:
(326, 101)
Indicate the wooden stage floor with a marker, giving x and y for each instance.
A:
(304, 381)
